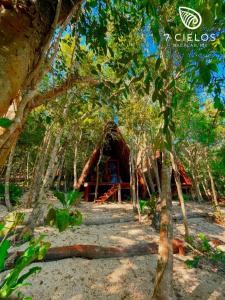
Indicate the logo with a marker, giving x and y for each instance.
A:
(190, 17)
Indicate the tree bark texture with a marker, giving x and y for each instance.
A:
(24, 26)
(164, 273)
(179, 191)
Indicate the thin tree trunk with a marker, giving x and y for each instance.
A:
(164, 274)
(214, 195)
(179, 191)
(153, 163)
(39, 168)
(75, 160)
(60, 171)
(7, 178)
(150, 176)
(132, 182)
(28, 158)
(97, 173)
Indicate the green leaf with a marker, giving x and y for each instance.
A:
(62, 219)
(5, 122)
(164, 74)
(72, 197)
(50, 218)
(193, 263)
(205, 74)
(213, 67)
(76, 218)
(61, 197)
(218, 104)
(158, 63)
(155, 96)
(4, 247)
(33, 270)
(158, 83)
(155, 30)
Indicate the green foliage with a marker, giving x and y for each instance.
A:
(204, 245)
(15, 192)
(62, 218)
(5, 123)
(69, 198)
(150, 204)
(210, 255)
(36, 250)
(193, 263)
(4, 247)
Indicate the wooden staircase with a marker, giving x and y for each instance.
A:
(108, 194)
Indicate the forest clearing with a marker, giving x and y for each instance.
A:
(112, 149)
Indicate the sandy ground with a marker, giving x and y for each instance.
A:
(127, 278)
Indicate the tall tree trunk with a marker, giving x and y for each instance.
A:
(75, 160)
(25, 29)
(132, 181)
(197, 185)
(214, 195)
(7, 178)
(60, 171)
(150, 176)
(29, 27)
(97, 172)
(164, 274)
(154, 164)
(179, 191)
(39, 168)
(38, 211)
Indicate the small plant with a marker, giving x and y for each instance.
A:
(35, 251)
(204, 245)
(151, 204)
(193, 263)
(64, 217)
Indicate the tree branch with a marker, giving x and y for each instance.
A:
(59, 90)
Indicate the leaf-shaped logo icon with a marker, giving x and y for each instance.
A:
(190, 17)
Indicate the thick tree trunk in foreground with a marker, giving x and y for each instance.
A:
(7, 178)
(180, 193)
(24, 27)
(164, 274)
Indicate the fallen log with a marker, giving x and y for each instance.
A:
(98, 252)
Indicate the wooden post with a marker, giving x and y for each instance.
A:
(86, 191)
(119, 193)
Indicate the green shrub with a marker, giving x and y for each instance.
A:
(210, 255)
(35, 251)
(150, 203)
(64, 217)
(15, 192)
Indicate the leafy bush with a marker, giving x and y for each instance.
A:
(210, 255)
(35, 251)
(64, 217)
(15, 192)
